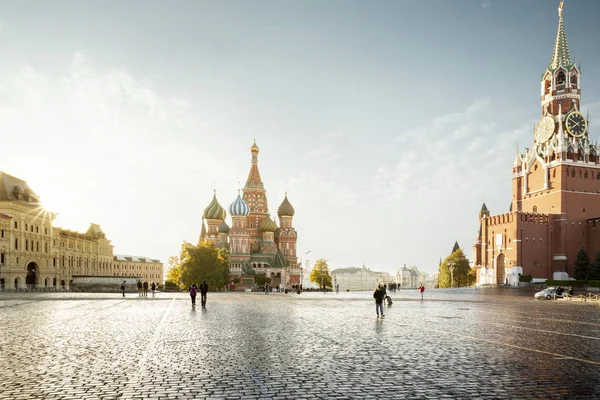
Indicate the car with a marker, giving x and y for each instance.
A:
(550, 293)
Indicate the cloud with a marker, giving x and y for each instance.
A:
(100, 144)
(485, 4)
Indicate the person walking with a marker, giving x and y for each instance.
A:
(421, 290)
(139, 286)
(266, 288)
(123, 288)
(153, 287)
(379, 295)
(203, 290)
(145, 288)
(193, 291)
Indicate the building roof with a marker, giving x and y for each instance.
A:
(267, 225)
(15, 189)
(214, 209)
(484, 207)
(561, 56)
(456, 246)
(279, 260)
(140, 259)
(285, 209)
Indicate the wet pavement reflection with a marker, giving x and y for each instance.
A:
(461, 343)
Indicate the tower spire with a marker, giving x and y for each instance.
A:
(561, 56)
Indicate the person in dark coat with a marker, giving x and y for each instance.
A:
(203, 291)
(123, 288)
(193, 291)
(379, 295)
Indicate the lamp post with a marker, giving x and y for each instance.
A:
(302, 270)
(451, 268)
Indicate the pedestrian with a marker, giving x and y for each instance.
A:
(145, 288)
(337, 288)
(139, 286)
(266, 288)
(193, 290)
(203, 290)
(153, 287)
(378, 295)
(421, 290)
(123, 288)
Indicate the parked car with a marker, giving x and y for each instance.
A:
(549, 293)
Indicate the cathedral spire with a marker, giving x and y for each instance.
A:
(561, 57)
(254, 180)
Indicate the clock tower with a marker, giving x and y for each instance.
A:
(555, 205)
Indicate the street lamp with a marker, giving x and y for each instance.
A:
(451, 268)
(302, 270)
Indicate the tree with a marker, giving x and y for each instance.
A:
(173, 272)
(582, 265)
(461, 270)
(203, 262)
(320, 274)
(594, 268)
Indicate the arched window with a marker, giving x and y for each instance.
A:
(573, 173)
(561, 79)
(535, 209)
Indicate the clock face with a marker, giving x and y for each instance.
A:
(576, 124)
(544, 129)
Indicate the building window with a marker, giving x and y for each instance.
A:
(45, 231)
(2, 258)
(26, 245)
(535, 209)
(3, 230)
(26, 226)
(37, 229)
(16, 225)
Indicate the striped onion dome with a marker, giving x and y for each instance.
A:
(214, 209)
(223, 227)
(239, 208)
(285, 209)
(267, 225)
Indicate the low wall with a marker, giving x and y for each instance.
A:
(103, 283)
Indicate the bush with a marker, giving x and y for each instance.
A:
(594, 283)
(566, 283)
(525, 278)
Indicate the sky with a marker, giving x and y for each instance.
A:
(387, 122)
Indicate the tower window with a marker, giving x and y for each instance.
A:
(560, 78)
(534, 209)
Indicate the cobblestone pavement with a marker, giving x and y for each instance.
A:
(478, 344)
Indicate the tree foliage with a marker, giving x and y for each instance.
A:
(201, 262)
(320, 274)
(582, 265)
(463, 275)
(173, 272)
(594, 268)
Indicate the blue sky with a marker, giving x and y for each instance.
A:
(388, 122)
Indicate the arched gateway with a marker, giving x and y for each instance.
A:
(500, 269)
(31, 278)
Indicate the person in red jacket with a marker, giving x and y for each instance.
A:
(421, 290)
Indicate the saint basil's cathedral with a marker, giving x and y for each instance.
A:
(555, 207)
(256, 244)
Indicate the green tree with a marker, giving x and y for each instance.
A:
(594, 268)
(320, 274)
(173, 273)
(203, 262)
(582, 265)
(462, 271)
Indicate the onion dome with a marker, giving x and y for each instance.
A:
(254, 147)
(239, 208)
(285, 209)
(223, 227)
(267, 225)
(214, 209)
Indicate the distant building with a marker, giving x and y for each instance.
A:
(34, 254)
(410, 277)
(358, 279)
